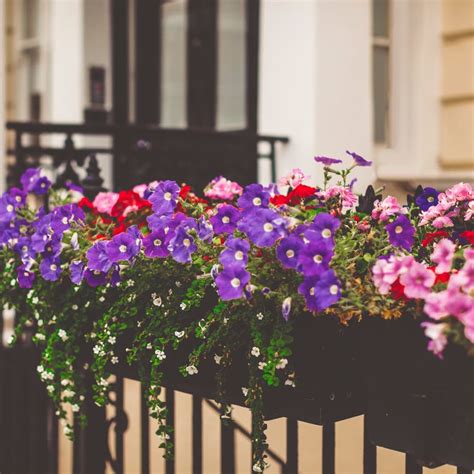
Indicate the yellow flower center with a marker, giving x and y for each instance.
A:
(333, 289)
(157, 242)
(398, 229)
(239, 255)
(257, 201)
(226, 219)
(53, 267)
(123, 248)
(235, 282)
(267, 227)
(186, 242)
(290, 253)
(167, 196)
(311, 291)
(326, 233)
(317, 258)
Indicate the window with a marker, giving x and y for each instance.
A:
(381, 68)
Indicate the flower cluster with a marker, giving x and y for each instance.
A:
(226, 274)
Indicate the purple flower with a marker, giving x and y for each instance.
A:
(326, 160)
(23, 249)
(204, 229)
(320, 292)
(314, 258)
(254, 196)
(7, 208)
(263, 227)
(95, 277)
(226, 219)
(236, 252)
(289, 250)
(401, 232)
(115, 276)
(182, 246)
(76, 269)
(163, 199)
(286, 308)
(325, 226)
(358, 160)
(18, 196)
(123, 247)
(155, 244)
(97, 258)
(29, 178)
(428, 198)
(25, 277)
(50, 268)
(41, 186)
(52, 247)
(231, 282)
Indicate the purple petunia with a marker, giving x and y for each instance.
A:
(401, 232)
(29, 178)
(23, 249)
(428, 198)
(321, 291)
(182, 246)
(97, 258)
(7, 208)
(41, 186)
(50, 268)
(25, 277)
(123, 247)
(314, 258)
(236, 252)
(164, 197)
(226, 219)
(263, 227)
(326, 160)
(358, 160)
(286, 308)
(254, 197)
(76, 269)
(325, 226)
(231, 282)
(95, 278)
(288, 251)
(18, 196)
(155, 244)
(204, 229)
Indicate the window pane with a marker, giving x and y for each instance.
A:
(173, 72)
(381, 91)
(231, 70)
(380, 13)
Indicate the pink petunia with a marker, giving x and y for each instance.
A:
(104, 202)
(470, 211)
(386, 208)
(435, 305)
(293, 179)
(442, 221)
(222, 188)
(438, 340)
(460, 192)
(417, 281)
(443, 254)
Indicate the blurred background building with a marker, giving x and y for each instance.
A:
(390, 79)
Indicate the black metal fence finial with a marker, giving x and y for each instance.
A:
(93, 182)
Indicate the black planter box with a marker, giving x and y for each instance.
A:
(418, 404)
(329, 388)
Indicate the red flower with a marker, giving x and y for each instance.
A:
(441, 277)
(279, 200)
(430, 237)
(86, 205)
(300, 193)
(468, 235)
(397, 290)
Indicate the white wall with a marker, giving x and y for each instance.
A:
(315, 80)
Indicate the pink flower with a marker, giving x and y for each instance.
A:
(222, 188)
(460, 192)
(442, 221)
(417, 281)
(459, 304)
(465, 277)
(140, 189)
(104, 202)
(293, 179)
(379, 274)
(435, 305)
(348, 198)
(443, 254)
(435, 332)
(469, 253)
(386, 208)
(385, 272)
(470, 211)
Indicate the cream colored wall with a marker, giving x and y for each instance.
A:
(457, 109)
(349, 443)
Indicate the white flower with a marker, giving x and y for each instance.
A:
(182, 306)
(35, 300)
(75, 408)
(282, 364)
(112, 340)
(40, 322)
(157, 301)
(262, 365)
(245, 391)
(40, 337)
(255, 351)
(13, 282)
(40, 369)
(226, 320)
(101, 299)
(69, 393)
(178, 284)
(75, 307)
(11, 340)
(259, 316)
(50, 388)
(191, 369)
(179, 334)
(114, 360)
(149, 346)
(96, 349)
(62, 334)
(65, 382)
(130, 283)
(256, 468)
(67, 430)
(290, 382)
(160, 354)
(217, 359)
